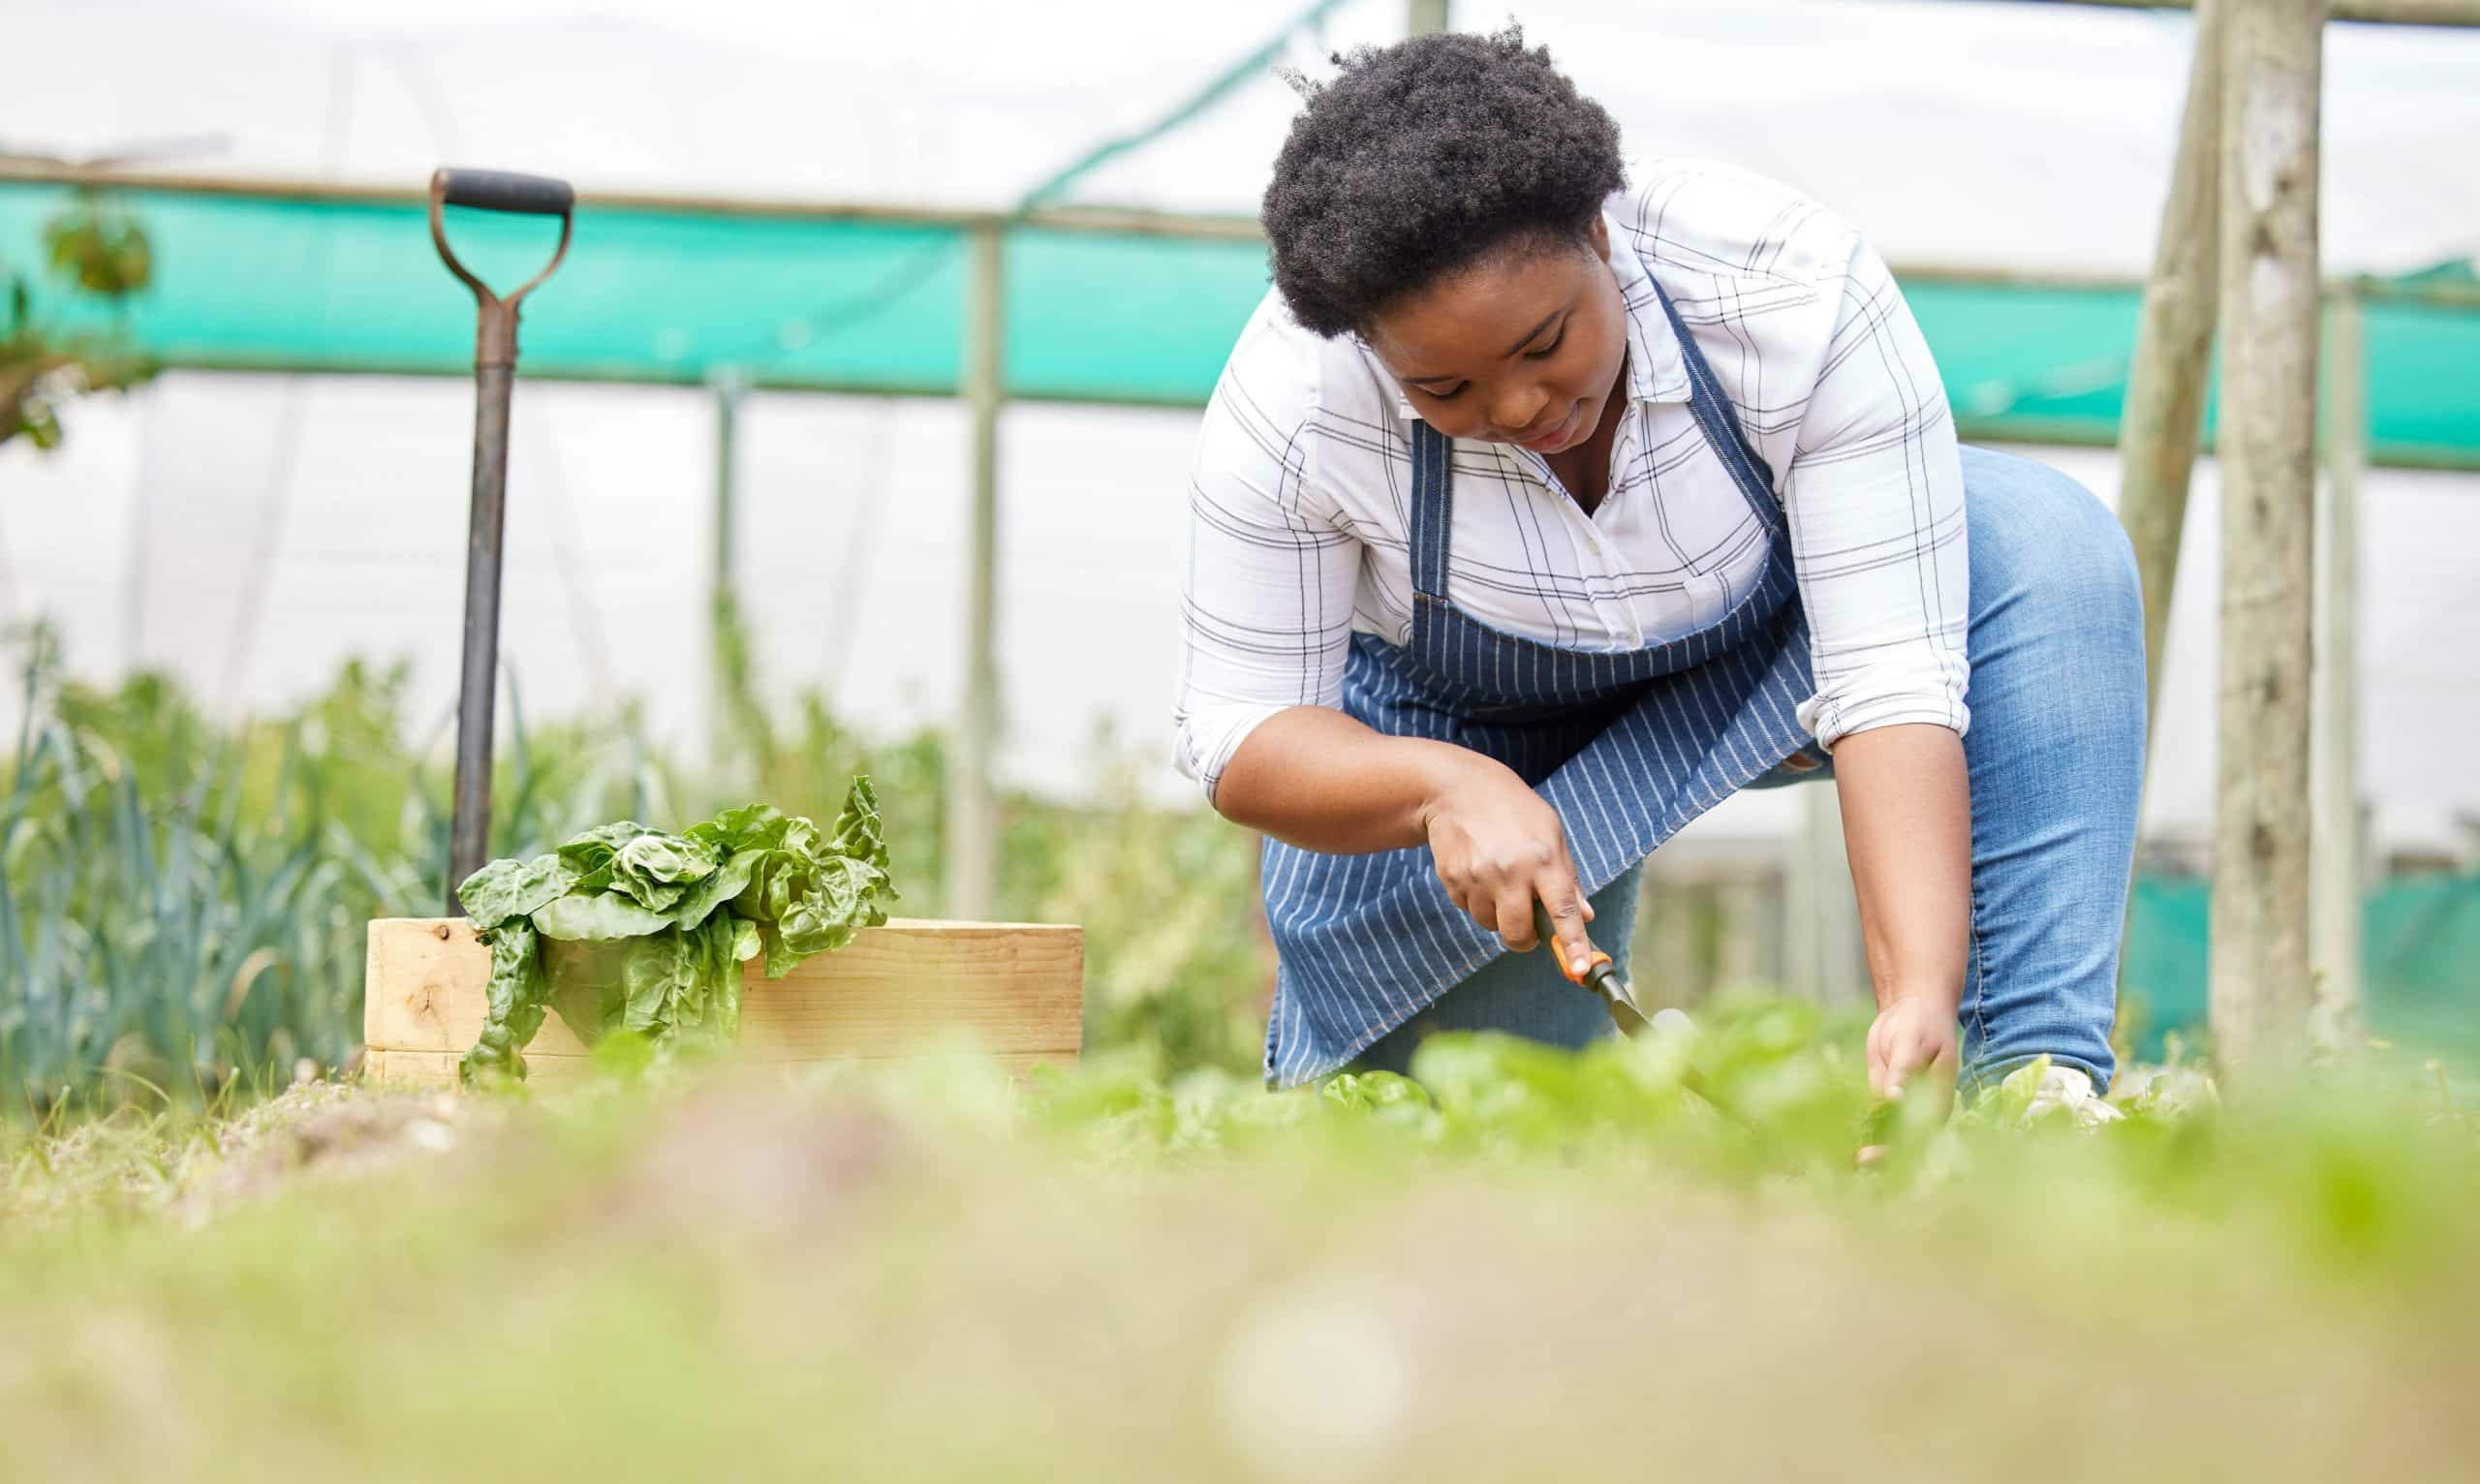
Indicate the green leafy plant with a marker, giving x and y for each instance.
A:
(96, 248)
(184, 905)
(630, 929)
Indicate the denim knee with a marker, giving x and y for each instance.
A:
(2038, 535)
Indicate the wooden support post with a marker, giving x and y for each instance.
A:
(2260, 987)
(1844, 970)
(2165, 403)
(1742, 937)
(1804, 889)
(973, 810)
(2336, 855)
(1663, 962)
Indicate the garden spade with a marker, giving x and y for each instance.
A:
(494, 368)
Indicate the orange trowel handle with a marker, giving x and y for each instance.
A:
(1550, 939)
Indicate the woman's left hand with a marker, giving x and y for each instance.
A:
(1911, 1034)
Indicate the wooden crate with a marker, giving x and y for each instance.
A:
(1016, 991)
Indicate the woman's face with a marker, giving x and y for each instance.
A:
(1522, 346)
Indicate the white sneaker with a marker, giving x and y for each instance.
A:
(2066, 1090)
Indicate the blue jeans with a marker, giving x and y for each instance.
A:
(2056, 753)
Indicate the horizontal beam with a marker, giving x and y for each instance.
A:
(2388, 13)
(1094, 219)
(1100, 219)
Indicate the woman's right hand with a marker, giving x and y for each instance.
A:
(1498, 847)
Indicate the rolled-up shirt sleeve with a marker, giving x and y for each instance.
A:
(1874, 497)
(1266, 592)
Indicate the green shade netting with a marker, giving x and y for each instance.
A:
(253, 281)
(2419, 960)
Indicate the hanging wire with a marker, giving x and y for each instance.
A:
(541, 455)
(241, 647)
(585, 616)
(843, 624)
(844, 311)
(7, 583)
(259, 575)
(1223, 85)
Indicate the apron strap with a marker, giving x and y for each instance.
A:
(1433, 507)
(1713, 412)
(1434, 463)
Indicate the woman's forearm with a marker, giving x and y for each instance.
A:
(1317, 779)
(1907, 825)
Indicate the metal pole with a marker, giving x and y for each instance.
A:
(721, 598)
(2260, 989)
(972, 812)
(2334, 843)
(469, 830)
(2165, 402)
(1421, 17)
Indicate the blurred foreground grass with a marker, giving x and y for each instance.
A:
(1142, 1268)
(1534, 1262)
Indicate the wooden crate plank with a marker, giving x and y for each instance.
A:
(428, 978)
(1008, 988)
(550, 1073)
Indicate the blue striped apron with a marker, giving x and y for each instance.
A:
(1628, 746)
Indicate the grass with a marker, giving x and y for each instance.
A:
(1535, 1262)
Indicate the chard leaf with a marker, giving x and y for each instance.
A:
(657, 972)
(636, 934)
(619, 984)
(800, 838)
(606, 837)
(711, 1004)
(740, 829)
(518, 991)
(596, 917)
(839, 899)
(585, 985)
(509, 888)
(591, 854)
(656, 870)
(780, 960)
(727, 882)
(860, 833)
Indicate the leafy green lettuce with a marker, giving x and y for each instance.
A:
(628, 928)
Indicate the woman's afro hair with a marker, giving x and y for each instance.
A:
(1426, 157)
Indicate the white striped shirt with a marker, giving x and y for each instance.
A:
(1298, 513)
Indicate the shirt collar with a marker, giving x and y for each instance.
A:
(1657, 372)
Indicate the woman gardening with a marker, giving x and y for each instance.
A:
(1548, 499)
